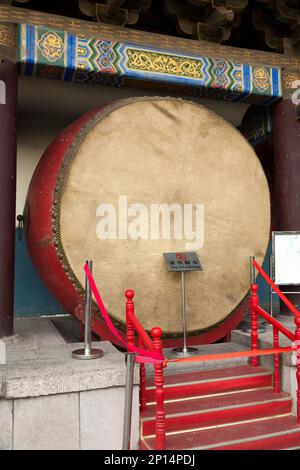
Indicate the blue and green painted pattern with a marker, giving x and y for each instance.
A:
(49, 53)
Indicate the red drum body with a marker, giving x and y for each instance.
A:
(149, 151)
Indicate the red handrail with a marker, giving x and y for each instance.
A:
(142, 333)
(257, 310)
(154, 345)
(275, 288)
(275, 323)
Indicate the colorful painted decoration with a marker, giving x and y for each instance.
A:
(80, 58)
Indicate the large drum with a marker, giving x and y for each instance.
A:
(136, 179)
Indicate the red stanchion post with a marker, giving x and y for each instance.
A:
(276, 361)
(160, 424)
(143, 402)
(129, 309)
(254, 323)
(297, 341)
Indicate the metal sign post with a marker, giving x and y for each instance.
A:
(252, 271)
(128, 400)
(247, 323)
(183, 262)
(88, 352)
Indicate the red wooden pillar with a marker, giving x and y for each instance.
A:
(254, 323)
(8, 151)
(286, 140)
(129, 309)
(160, 424)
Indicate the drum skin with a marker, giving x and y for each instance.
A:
(51, 235)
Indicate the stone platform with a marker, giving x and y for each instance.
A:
(50, 401)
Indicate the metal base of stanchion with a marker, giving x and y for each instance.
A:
(84, 355)
(261, 329)
(184, 352)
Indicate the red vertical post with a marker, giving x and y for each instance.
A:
(8, 154)
(143, 402)
(160, 423)
(297, 342)
(129, 310)
(276, 361)
(254, 323)
(286, 142)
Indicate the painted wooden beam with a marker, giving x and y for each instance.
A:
(61, 55)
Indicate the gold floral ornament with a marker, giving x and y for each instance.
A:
(289, 79)
(261, 79)
(51, 46)
(7, 36)
(164, 63)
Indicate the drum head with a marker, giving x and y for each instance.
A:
(141, 153)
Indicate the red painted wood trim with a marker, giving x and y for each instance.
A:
(276, 289)
(134, 322)
(160, 420)
(275, 323)
(276, 361)
(130, 317)
(297, 341)
(254, 323)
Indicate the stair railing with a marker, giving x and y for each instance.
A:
(133, 327)
(277, 327)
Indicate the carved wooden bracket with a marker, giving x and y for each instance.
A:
(112, 11)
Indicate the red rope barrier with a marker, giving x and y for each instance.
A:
(143, 355)
(156, 358)
(275, 323)
(213, 357)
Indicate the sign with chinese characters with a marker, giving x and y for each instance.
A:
(183, 261)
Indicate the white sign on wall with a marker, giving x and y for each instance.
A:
(286, 257)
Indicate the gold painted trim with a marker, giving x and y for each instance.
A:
(8, 42)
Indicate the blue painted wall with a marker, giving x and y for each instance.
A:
(31, 296)
(263, 289)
